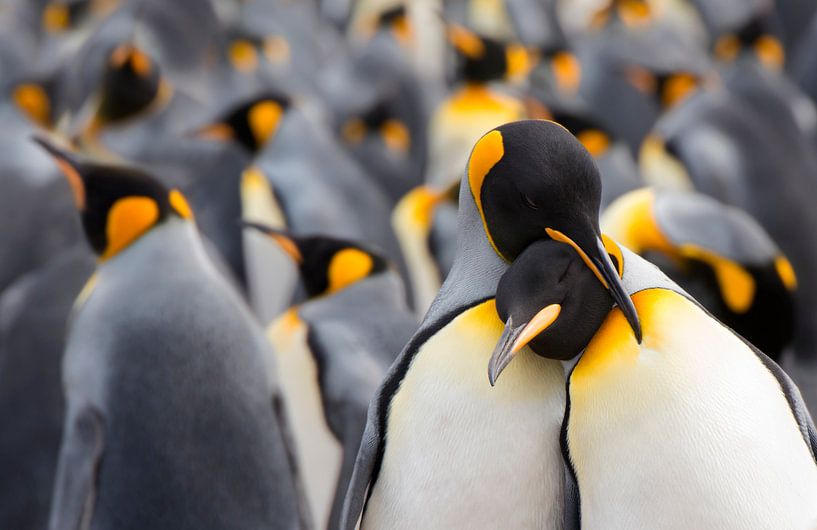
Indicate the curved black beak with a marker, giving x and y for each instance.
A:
(515, 337)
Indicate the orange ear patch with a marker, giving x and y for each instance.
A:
(56, 18)
(347, 267)
(466, 42)
(32, 99)
(395, 136)
(264, 118)
(128, 219)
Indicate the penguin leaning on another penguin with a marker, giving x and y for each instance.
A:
(171, 421)
(425, 466)
(332, 351)
(664, 394)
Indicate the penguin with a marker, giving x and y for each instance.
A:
(302, 163)
(33, 318)
(379, 103)
(435, 453)
(634, 68)
(474, 106)
(424, 222)
(724, 147)
(170, 418)
(716, 253)
(333, 350)
(663, 393)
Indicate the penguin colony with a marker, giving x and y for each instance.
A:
(439, 264)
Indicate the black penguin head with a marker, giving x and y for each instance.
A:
(551, 302)
(396, 20)
(326, 264)
(532, 180)
(666, 88)
(131, 82)
(482, 59)
(252, 123)
(757, 38)
(117, 204)
(380, 122)
(591, 133)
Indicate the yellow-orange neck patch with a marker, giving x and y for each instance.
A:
(347, 267)
(128, 219)
(56, 18)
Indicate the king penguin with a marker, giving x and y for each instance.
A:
(718, 254)
(333, 350)
(170, 419)
(442, 449)
(672, 420)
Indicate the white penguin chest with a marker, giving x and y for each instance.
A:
(319, 453)
(461, 454)
(687, 430)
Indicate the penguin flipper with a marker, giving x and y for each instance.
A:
(370, 447)
(80, 455)
(795, 399)
(351, 442)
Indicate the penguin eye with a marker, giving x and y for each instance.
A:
(530, 203)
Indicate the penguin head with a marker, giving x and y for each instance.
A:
(379, 122)
(251, 123)
(131, 82)
(718, 253)
(532, 180)
(756, 38)
(565, 69)
(483, 59)
(117, 204)
(550, 302)
(326, 264)
(666, 88)
(396, 21)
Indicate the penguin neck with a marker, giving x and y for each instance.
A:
(476, 269)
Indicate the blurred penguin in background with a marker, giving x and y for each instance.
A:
(332, 351)
(379, 103)
(164, 376)
(721, 146)
(716, 253)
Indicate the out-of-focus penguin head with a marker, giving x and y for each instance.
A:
(131, 82)
(757, 38)
(483, 59)
(245, 52)
(718, 253)
(252, 123)
(327, 264)
(533, 181)
(551, 302)
(630, 13)
(117, 204)
(393, 133)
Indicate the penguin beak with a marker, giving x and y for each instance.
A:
(69, 165)
(514, 338)
(285, 242)
(598, 261)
